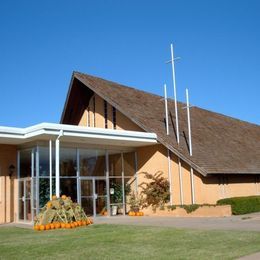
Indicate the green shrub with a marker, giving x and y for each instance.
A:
(190, 208)
(156, 190)
(171, 207)
(242, 205)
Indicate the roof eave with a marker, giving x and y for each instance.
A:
(67, 97)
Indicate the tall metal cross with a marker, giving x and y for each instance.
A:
(175, 92)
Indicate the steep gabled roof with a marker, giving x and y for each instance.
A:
(221, 144)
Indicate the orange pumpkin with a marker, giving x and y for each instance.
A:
(36, 227)
(48, 226)
(84, 223)
(88, 222)
(79, 223)
(67, 225)
(105, 213)
(131, 213)
(57, 225)
(141, 213)
(91, 220)
(49, 205)
(42, 227)
(72, 225)
(62, 225)
(54, 197)
(52, 226)
(75, 223)
(138, 214)
(64, 197)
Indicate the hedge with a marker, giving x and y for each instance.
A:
(242, 205)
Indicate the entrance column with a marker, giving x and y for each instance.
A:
(57, 164)
(57, 167)
(107, 184)
(50, 167)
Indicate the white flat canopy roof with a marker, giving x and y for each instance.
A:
(75, 134)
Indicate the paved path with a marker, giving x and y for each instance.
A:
(250, 222)
(255, 256)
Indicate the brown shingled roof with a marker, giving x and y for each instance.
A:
(221, 144)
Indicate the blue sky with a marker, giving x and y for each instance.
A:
(42, 42)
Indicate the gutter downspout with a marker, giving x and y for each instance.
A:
(57, 163)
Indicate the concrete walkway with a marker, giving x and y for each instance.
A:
(255, 256)
(250, 222)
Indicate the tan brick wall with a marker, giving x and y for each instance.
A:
(8, 188)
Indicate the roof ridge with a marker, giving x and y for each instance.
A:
(125, 86)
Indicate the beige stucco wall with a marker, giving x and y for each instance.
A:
(207, 189)
(242, 185)
(8, 187)
(151, 159)
(83, 120)
(122, 122)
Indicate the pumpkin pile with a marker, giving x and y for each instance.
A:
(137, 213)
(61, 213)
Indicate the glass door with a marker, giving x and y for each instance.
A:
(93, 196)
(25, 209)
(100, 196)
(87, 196)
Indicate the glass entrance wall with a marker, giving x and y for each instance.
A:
(43, 172)
(92, 162)
(25, 209)
(98, 179)
(122, 180)
(26, 180)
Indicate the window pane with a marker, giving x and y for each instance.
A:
(68, 187)
(100, 186)
(44, 191)
(115, 190)
(86, 188)
(44, 161)
(129, 164)
(115, 165)
(92, 163)
(130, 185)
(68, 162)
(87, 205)
(25, 163)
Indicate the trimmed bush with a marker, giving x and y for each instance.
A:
(190, 208)
(242, 205)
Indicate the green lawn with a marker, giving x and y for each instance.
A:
(125, 242)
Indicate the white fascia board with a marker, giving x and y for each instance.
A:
(75, 131)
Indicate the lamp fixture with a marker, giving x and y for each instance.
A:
(11, 170)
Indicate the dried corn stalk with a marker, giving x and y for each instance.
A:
(60, 210)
